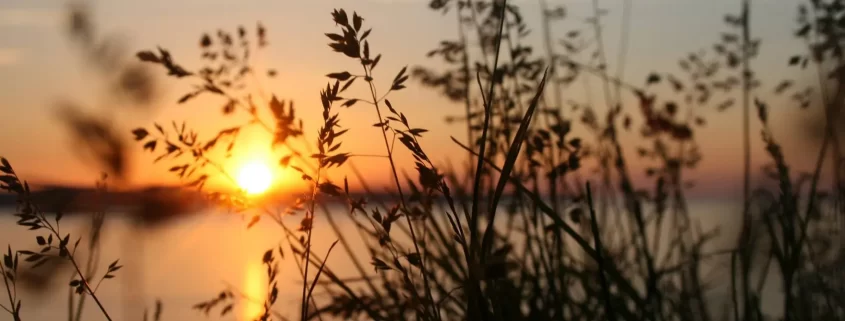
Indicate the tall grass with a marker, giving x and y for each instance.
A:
(522, 230)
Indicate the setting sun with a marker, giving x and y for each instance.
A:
(255, 177)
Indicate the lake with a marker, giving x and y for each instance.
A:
(193, 258)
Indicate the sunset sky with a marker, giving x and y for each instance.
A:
(39, 66)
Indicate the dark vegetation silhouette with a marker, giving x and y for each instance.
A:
(520, 231)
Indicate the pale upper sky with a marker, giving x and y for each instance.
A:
(39, 66)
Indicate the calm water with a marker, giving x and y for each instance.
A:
(194, 258)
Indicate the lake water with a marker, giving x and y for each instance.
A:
(194, 258)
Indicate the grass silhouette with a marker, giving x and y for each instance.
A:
(520, 231)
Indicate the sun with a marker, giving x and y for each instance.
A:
(255, 177)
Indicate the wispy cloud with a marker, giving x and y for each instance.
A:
(28, 17)
(10, 56)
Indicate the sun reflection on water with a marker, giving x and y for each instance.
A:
(255, 288)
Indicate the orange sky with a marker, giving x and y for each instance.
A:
(38, 66)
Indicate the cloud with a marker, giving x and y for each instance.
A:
(10, 56)
(28, 17)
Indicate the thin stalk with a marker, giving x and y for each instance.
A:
(399, 190)
(558, 222)
(348, 249)
(304, 303)
(317, 277)
(94, 249)
(84, 281)
(746, 140)
(82, 277)
(623, 45)
(558, 100)
(600, 259)
(15, 313)
(488, 106)
(631, 199)
(601, 53)
(467, 82)
(70, 304)
(550, 55)
(475, 290)
(734, 296)
(251, 299)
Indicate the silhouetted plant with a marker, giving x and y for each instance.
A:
(518, 232)
(54, 245)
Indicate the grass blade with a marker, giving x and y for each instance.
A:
(314, 283)
(621, 282)
(510, 161)
(477, 306)
(594, 225)
(488, 110)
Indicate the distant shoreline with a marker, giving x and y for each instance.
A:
(161, 200)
